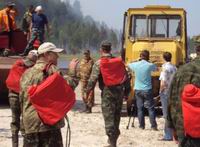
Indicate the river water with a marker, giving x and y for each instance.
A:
(63, 64)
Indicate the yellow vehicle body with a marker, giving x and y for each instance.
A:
(157, 29)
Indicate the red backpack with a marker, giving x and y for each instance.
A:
(52, 99)
(191, 110)
(13, 79)
(113, 71)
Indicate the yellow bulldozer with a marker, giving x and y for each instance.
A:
(156, 28)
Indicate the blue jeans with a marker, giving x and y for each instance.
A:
(144, 99)
(164, 102)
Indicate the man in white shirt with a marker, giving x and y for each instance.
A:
(166, 76)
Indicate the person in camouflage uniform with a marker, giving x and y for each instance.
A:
(85, 68)
(37, 134)
(111, 97)
(26, 22)
(14, 101)
(187, 74)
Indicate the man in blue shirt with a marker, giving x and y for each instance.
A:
(143, 88)
(38, 24)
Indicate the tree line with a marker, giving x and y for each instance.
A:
(69, 28)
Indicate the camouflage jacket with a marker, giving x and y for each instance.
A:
(85, 68)
(188, 73)
(27, 19)
(96, 75)
(30, 118)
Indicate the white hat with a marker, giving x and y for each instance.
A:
(38, 8)
(33, 52)
(48, 47)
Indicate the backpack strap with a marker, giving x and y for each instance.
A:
(46, 69)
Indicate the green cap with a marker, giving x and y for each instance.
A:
(86, 51)
(106, 45)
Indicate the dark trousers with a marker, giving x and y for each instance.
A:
(51, 138)
(189, 142)
(111, 108)
(35, 34)
(16, 112)
(144, 99)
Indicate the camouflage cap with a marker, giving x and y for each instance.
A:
(33, 52)
(197, 48)
(86, 51)
(106, 45)
(196, 40)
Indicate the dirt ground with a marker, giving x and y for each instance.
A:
(87, 130)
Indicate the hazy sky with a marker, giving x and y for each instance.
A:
(111, 11)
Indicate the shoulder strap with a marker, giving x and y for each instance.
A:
(46, 69)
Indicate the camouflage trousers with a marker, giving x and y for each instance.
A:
(16, 112)
(35, 34)
(88, 100)
(51, 138)
(112, 99)
(189, 142)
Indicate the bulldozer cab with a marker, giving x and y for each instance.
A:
(157, 29)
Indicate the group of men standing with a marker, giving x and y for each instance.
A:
(179, 95)
(112, 76)
(34, 24)
(37, 133)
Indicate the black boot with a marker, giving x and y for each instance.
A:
(112, 142)
(15, 140)
(86, 109)
(89, 109)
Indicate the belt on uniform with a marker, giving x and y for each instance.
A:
(37, 29)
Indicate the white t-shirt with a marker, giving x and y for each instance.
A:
(166, 75)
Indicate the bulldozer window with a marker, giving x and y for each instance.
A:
(158, 27)
(139, 26)
(165, 26)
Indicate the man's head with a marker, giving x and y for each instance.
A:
(106, 46)
(10, 5)
(167, 56)
(86, 54)
(31, 8)
(38, 9)
(32, 55)
(49, 52)
(197, 48)
(144, 55)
